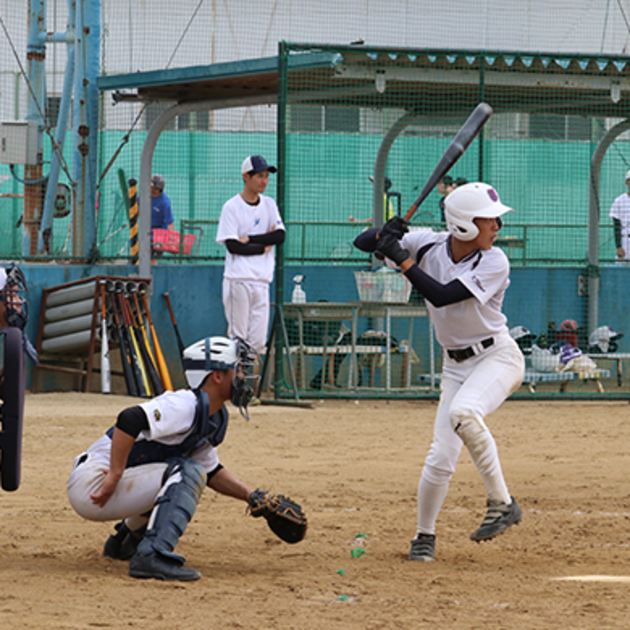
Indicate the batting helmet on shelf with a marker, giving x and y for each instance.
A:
(603, 339)
(469, 202)
(523, 337)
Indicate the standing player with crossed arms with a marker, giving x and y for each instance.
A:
(463, 279)
(250, 226)
(620, 214)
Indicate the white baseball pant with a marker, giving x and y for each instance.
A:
(246, 306)
(470, 391)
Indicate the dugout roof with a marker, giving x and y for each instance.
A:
(423, 81)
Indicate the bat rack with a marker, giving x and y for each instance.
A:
(69, 332)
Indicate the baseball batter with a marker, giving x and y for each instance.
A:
(151, 467)
(250, 226)
(463, 279)
(620, 214)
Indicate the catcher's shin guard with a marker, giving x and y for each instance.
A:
(174, 509)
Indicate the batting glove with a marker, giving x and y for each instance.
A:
(396, 226)
(389, 246)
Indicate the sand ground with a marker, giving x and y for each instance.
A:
(354, 467)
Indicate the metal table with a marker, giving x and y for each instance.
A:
(352, 311)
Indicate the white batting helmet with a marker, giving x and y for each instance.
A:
(469, 202)
(603, 339)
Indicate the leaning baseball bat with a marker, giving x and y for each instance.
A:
(145, 350)
(453, 152)
(159, 356)
(106, 372)
(130, 380)
(144, 389)
(180, 343)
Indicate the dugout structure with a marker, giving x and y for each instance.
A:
(389, 114)
(333, 116)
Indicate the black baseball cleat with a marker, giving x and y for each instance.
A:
(123, 544)
(498, 518)
(423, 548)
(157, 567)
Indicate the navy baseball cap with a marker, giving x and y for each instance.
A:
(256, 164)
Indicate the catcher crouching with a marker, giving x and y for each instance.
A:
(149, 470)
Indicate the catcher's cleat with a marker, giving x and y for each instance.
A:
(423, 548)
(158, 567)
(498, 518)
(123, 544)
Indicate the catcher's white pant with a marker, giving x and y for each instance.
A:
(246, 306)
(470, 391)
(135, 494)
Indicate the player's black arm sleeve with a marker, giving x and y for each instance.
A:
(367, 241)
(244, 249)
(132, 420)
(617, 227)
(275, 237)
(437, 293)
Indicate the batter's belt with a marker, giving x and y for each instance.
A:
(465, 353)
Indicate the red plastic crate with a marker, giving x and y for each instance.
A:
(168, 241)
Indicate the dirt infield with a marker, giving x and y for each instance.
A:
(354, 467)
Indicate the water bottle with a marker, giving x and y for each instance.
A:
(299, 296)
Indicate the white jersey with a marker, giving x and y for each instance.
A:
(621, 210)
(171, 417)
(238, 219)
(485, 273)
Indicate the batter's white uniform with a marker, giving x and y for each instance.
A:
(621, 210)
(473, 388)
(171, 419)
(246, 279)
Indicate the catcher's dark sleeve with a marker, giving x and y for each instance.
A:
(367, 241)
(276, 237)
(244, 249)
(437, 293)
(213, 472)
(132, 420)
(617, 227)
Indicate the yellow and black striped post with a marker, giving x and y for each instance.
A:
(133, 221)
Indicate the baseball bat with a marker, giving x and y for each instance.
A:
(144, 389)
(145, 349)
(454, 151)
(106, 371)
(130, 381)
(159, 356)
(180, 343)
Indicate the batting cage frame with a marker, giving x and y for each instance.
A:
(407, 105)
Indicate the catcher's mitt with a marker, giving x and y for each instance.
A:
(284, 516)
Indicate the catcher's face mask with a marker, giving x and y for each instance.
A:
(244, 381)
(12, 296)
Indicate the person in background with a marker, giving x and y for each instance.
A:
(161, 210)
(388, 206)
(620, 214)
(250, 227)
(445, 186)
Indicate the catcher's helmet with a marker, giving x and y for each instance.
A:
(469, 202)
(12, 288)
(220, 353)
